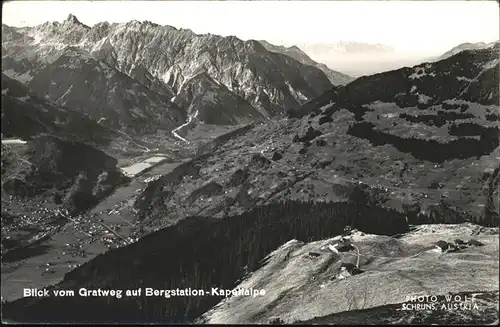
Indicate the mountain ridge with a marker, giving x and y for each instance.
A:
(270, 82)
(336, 78)
(465, 46)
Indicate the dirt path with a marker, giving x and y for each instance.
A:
(190, 119)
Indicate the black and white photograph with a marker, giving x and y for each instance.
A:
(250, 162)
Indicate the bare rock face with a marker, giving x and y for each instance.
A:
(276, 156)
(238, 177)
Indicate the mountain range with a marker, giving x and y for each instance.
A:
(138, 68)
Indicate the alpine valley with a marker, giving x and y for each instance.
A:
(139, 156)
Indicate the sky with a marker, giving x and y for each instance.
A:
(431, 27)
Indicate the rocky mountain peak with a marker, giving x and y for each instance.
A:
(71, 29)
(134, 23)
(72, 19)
(150, 23)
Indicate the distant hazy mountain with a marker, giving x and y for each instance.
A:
(147, 64)
(346, 47)
(465, 46)
(358, 59)
(336, 78)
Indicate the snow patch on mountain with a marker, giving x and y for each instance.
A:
(297, 94)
